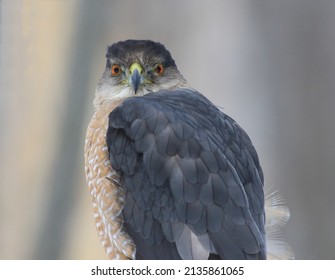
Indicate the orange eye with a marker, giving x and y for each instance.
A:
(116, 70)
(159, 69)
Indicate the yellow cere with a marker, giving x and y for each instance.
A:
(137, 66)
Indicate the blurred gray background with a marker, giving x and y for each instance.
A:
(270, 64)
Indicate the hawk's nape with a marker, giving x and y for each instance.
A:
(170, 175)
(192, 179)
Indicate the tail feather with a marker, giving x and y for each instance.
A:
(277, 215)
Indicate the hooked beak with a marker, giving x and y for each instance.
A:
(136, 77)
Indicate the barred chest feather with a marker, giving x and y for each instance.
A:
(107, 195)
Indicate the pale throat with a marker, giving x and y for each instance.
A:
(107, 93)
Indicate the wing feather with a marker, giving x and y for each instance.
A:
(193, 182)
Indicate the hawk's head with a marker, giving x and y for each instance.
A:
(137, 67)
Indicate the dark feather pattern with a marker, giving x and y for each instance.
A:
(187, 168)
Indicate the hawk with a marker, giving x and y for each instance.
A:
(170, 175)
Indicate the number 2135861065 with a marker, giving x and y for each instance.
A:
(208, 270)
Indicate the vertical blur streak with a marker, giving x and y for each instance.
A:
(10, 42)
(62, 193)
(299, 41)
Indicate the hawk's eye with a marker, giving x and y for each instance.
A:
(159, 69)
(116, 70)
